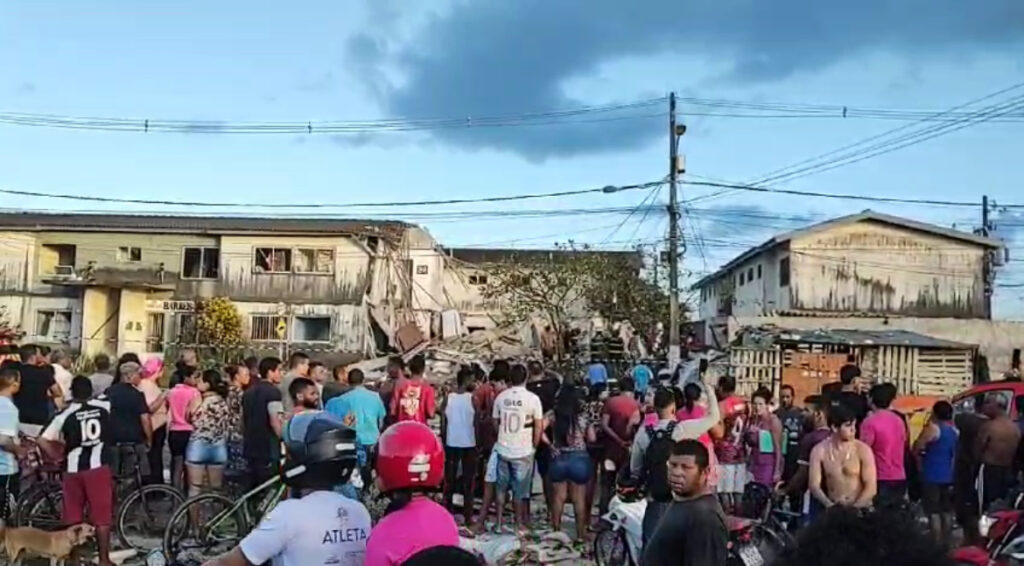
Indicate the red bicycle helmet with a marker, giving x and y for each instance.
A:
(409, 455)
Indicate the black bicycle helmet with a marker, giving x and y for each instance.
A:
(320, 450)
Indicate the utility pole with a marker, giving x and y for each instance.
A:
(675, 131)
(987, 260)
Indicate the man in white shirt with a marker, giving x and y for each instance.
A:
(519, 418)
(323, 527)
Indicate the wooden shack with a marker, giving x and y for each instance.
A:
(807, 360)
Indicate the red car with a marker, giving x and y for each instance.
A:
(970, 401)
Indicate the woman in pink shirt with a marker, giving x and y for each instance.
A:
(410, 464)
(179, 399)
(690, 410)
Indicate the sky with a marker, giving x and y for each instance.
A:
(218, 63)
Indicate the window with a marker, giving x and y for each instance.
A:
(200, 263)
(155, 332)
(310, 260)
(126, 254)
(57, 259)
(750, 274)
(741, 278)
(264, 327)
(273, 260)
(477, 279)
(312, 329)
(53, 325)
(759, 271)
(187, 329)
(784, 272)
(421, 270)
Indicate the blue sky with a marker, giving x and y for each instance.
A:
(348, 60)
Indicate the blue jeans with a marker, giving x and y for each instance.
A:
(516, 474)
(205, 453)
(572, 466)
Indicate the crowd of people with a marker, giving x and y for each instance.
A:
(697, 452)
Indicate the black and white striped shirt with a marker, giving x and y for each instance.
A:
(85, 428)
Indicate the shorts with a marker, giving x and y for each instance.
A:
(491, 471)
(994, 483)
(937, 498)
(892, 494)
(573, 467)
(205, 453)
(93, 488)
(515, 474)
(10, 487)
(732, 478)
(177, 442)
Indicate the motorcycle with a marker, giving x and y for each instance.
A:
(620, 541)
(1002, 533)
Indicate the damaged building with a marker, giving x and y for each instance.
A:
(128, 283)
(864, 272)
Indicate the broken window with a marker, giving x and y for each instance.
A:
(273, 260)
(314, 260)
(126, 253)
(312, 329)
(53, 325)
(200, 263)
(478, 279)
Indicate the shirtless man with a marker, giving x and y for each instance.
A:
(846, 465)
(996, 449)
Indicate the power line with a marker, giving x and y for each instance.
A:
(778, 190)
(819, 163)
(607, 190)
(586, 114)
(641, 205)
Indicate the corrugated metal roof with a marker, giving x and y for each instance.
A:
(869, 215)
(865, 338)
(36, 222)
(497, 255)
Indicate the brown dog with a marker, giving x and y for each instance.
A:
(56, 546)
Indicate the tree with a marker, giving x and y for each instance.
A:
(218, 328)
(575, 282)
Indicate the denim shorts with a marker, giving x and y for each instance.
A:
(572, 466)
(204, 453)
(517, 475)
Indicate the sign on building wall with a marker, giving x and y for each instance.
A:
(171, 306)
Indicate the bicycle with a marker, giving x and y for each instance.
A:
(231, 521)
(140, 512)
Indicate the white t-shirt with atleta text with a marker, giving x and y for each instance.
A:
(516, 409)
(321, 529)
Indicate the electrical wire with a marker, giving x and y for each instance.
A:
(150, 125)
(607, 190)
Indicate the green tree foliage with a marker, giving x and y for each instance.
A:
(574, 282)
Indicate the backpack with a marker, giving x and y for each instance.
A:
(656, 462)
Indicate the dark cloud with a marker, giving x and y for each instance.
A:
(492, 58)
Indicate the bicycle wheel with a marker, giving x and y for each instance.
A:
(204, 527)
(41, 507)
(142, 515)
(610, 548)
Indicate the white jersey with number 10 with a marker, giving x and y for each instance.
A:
(516, 410)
